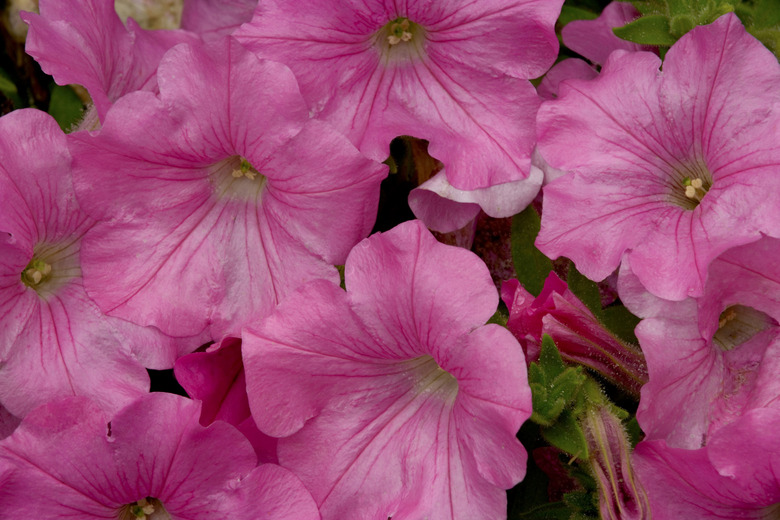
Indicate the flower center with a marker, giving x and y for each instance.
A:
(236, 178)
(689, 185)
(400, 39)
(430, 378)
(739, 323)
(399, 31)
(145, 509)
(52, 266)
(36, 273)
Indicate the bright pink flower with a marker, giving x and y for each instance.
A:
(578, 334)
(72, 461)
(218, 197)
(392, 398)
(667, 167)
(86, 43)
(449, 71)
(713, 358)
(53, 339)
(216, 377)
(734, 477)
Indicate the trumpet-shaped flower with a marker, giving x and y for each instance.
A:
(668, 168)
(711, 359)
(152, 460)
(54, 341)
(219, 197)
(392, 398)
(449, 71)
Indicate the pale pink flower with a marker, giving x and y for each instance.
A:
(714, 358)
(449, 71)
(153, 457)
(54, 341)
(219, 197)
(667, 168)
(393, 399)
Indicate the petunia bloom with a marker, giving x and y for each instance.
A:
(219, 197)
(392, 398)
(711, 359)
(667, 168)
(152, 460)
(54, 341)
(449, 71)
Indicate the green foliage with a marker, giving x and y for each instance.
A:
(621, 323)
(9, 90)
(586, 290)
(555, 390)
(531, 266)
(342, 277)
(651, 29)
(571, 13)
(663, 22)
(65, 106)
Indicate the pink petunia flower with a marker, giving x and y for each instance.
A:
(54, 341)
(217, 378)
(218, 197)
(667, 167)
(152, 460)
(392, 398)
(86, 43)
(449, 71)
(711, 359)
(734, 477)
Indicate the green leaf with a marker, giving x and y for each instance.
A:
(9, 90)
(554, 386)
(65, 106)
(531, 266)
(500, 317)
(343, 282)
(585, 289)
(621, 323)
(651, 29)
(567, 435)
(550, 359)
(766, 14)
(570, 13)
